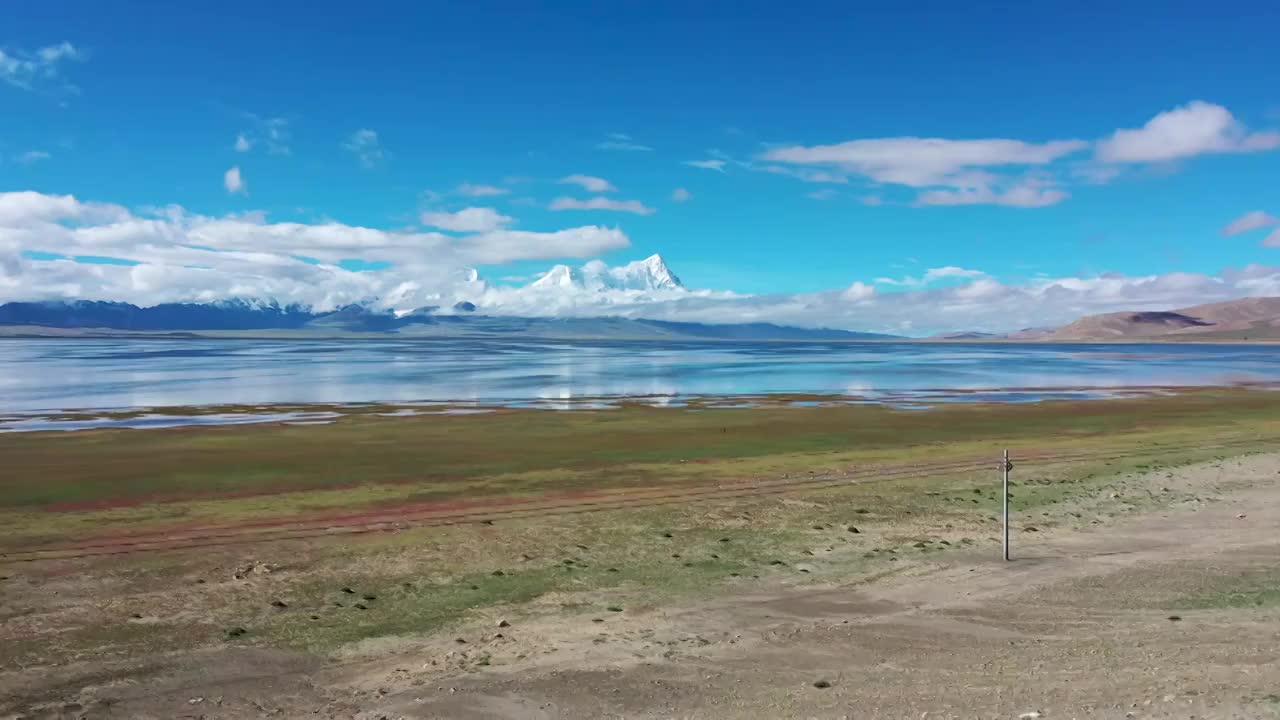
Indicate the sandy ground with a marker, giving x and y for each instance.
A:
(1079, 625)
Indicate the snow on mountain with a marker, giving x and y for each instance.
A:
(650, 274)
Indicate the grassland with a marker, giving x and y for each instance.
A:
(85, 488)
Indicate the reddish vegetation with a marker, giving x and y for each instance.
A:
(460, 511)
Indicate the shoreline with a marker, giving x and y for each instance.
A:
(319, 413)
(30, 332)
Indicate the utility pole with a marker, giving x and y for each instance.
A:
(1005, 467)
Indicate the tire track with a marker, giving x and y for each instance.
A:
(431, 515)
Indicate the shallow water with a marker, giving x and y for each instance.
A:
(48, 375)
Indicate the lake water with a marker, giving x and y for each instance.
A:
(44, 375)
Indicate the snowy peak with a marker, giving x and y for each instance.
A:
(560, 276)
(649, 274)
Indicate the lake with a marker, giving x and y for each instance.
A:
(45, 375)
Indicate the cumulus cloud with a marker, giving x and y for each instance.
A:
(472, 219)
(1197, 128)
(680, 195)
(1248, 222)
(589, 183)
(243, 144)
(714, 164)
(234, 183)
(31, 70)
(601, 203)
(366, 146)
(183, 256)
(187, 257)
(480, 190)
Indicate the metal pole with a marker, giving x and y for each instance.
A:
(1005, 467)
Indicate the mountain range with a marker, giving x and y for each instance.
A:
(240, 317)
(1248, 318)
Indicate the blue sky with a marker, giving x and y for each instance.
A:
(375, 116)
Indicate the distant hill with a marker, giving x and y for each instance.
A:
(1248, 318)
(252, 318)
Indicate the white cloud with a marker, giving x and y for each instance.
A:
(924, 162)
(480, 190)
(859, 292)
(717, 165)
(823, 194)
(472, 219)
(1024, 194)
(601, 203)
(806, 175)
(680, 195)
(188, 257)
(871, 200)
(1248, 222)
(367, 148)
(233, 181)
(30, 70)
(588, 183)
(1272, 240)
(32, 156)
(271, 133)
(622, 141)
(1196, 128)
(932, 275)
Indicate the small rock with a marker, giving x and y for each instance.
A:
(724, 540)
(1175, 618)
(1241, 516)
(498, 573)
(348, 591)
(1031, 715)
(137, 616)
(195, 701)
(614, 608)
(854, 530)
(360, 606)
(503, 623)
(460, 641)
(1031, 528)
(235, 632)
(821, 684)
(279, 604)
(370, 597)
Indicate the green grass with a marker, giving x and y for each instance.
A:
(444, 456)
(1260, 590)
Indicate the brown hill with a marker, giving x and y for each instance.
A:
(1248, 318)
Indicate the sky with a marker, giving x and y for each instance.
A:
(948, 166)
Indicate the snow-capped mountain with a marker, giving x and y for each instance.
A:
(649, 274)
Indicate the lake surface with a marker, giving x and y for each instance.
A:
(45, 375)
